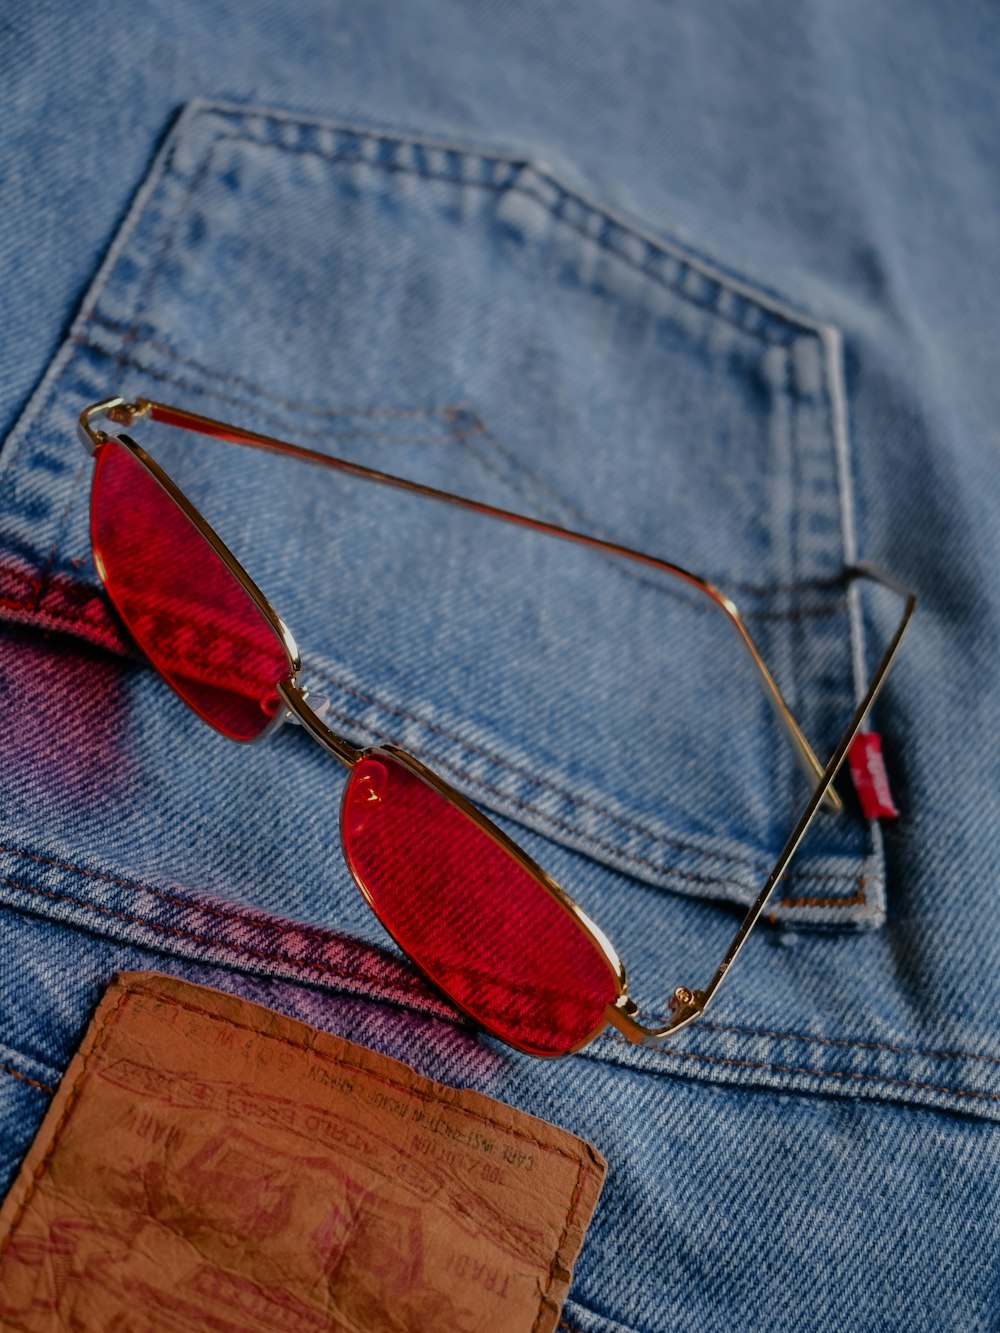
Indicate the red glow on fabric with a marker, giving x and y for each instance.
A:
(184, 607)
(469, 913)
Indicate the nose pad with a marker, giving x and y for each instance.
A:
(366, 791)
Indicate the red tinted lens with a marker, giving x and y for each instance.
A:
(185, 608)
(466, 910)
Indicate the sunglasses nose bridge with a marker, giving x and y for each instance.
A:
(309, 710)
(317, 704)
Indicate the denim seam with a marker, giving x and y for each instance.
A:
(603, 241)
(783, 898)
(320, 936)
(46, 567)
(672, 1052)
(793, 634)
(149, 279)
(533, 778)
(93, 591)
(166, 245)
(516, 187)
(666, 1052)
(48, 393)
(298, 407)
(760, 297)
(40, 400)
(325, 969)
(96, 602)
(164, 166)
(197, 177)
(855, 899)
(566, 508)
(177, 900)
(842, 1041)
(611, 224)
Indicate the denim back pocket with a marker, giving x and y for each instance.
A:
(467, 319)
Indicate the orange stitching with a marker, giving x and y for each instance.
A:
(42, 1087)
(100, 1037)
(856, 899)
(821, 1073)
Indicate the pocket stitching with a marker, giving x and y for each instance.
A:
(533, 778)
(612, 228)
(425, 1003)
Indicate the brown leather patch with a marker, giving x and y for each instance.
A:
(208, 1164)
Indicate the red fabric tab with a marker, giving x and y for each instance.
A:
(870, 779)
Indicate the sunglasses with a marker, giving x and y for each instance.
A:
(486, 924)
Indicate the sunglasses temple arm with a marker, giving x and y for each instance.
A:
(125, 413)
(687, 1004)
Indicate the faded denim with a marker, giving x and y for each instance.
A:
(717, 284)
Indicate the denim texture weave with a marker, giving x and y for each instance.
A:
(717, 285)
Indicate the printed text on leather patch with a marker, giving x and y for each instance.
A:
(208, 1164)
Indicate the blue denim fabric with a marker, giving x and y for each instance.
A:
(717, 284)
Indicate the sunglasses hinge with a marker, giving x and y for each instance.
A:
(119, 411)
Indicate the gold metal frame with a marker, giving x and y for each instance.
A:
(685, 1004)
